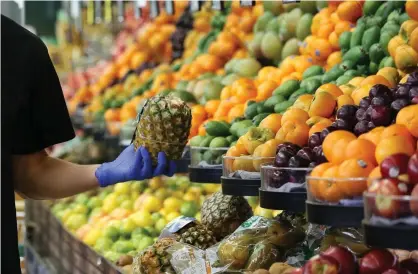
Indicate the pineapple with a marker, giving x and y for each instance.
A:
(223, 214)
(155, 259)
(197, 235)
(164, 125)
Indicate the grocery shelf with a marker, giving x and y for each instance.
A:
(292, 201)
(240, 187)
(334, 215)
(205, 175)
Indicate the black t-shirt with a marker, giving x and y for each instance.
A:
(34, 116)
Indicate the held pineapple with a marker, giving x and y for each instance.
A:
(155, 259)
(197, 235)
(164, 125)
(223, 214)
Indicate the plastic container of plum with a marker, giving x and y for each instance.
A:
(206, 164)
(335, 202)
(283, 188)
(241, 175)
(391, 221)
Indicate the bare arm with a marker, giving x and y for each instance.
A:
(38, 176)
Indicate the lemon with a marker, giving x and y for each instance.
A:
(277, 212)
(127, 226)
(142, 218)
(163, 212)
(75, 221)
(195, 190)
(177, 194)
(266, 213)
(171, 216)
(172, 204)
(160, 224)
(134, 195)
(80, 208)
(152, 204)
(109, 204)
(190, 197)
(122, 188)
(211, 188)
(198, 216)
(127, 204)
(156, 183)
(161, 193)
(91, 237)
(64, 215)
(121, 198)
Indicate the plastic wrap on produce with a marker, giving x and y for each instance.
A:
(351, 238)
(245, 175)
(175, 225)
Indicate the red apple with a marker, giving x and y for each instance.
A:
(345, 258)
(321, 264)
(413, 169)
(377, 261)
(385, 204)
(397, 271)
(413, 204)
(297, 271)
(410, 264)
(394, 165)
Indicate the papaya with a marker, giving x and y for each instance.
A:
(313, 71)
(376, 53)
(215, 128)
(332, 74)
(242, 131)
(347, 65)
(344, 41)
(303, 28)
(381, 10)
(370, 36)
(261, 108)
(357, 54)
(273, 100)
(287, 88)
(373, 68)
(375, 21)
(251, 111)
(344, 79)
(404, 17)
(311, 84)
(283, 106)
(241, 124)
(352, 72)
(394, 16)
(385, 39)
(370, 7)
(357, 35)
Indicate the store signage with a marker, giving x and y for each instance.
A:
(155, 8)
(98, 12)
(195, 5)
(169, 7)
(246, 3)
(218, 5)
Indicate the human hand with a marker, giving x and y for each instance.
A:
(133, 165)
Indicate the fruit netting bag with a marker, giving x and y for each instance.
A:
(257, 243)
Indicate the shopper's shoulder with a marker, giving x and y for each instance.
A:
(19, 36)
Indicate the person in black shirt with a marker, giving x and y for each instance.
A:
(34, 117)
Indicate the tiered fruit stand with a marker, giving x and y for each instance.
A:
(310, 106)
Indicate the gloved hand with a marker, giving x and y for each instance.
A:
(133, 165)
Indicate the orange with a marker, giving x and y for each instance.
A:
(264, 73)
(321, 49)
(343, 100)
(316, 119)
(375, 174)
(313, 185)
(393, 145)
(295, 114)
(334, 59)
(236, 111)
(198, 113)
(265, 90)
(223, 109)
(408, 116)
(397, 130)
(325, 30)
(273, 122)
(356, 81)
(350, 11)
(328, 189)
(394, 43)
(335, 143)
(376, 79)
(295, 132)
(322, 105)
(342, 26)
(333, 39)
(226, 93)
(354, 168)
(361, 149)
(332, 89)
(373, 136)
(321, 125)
(411, 8)
(211, 106)
(301, 63)
(303, 102)
(360, 92)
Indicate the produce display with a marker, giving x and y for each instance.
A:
(317, 98)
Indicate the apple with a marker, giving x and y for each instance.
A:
(413, 204)
(385, 204)
(397, 271)
(345, 258)
(377, 261)
(394, 165)
(413, 169)
(297, 271)
(321, 264)
(410, 264)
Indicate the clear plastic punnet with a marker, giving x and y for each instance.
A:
(283, 179)
(244, 167)
(207, 157)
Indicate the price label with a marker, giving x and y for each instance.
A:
(196, 5)
(155, 8)
(137, 10)
(218, 5)
(98, 13)
(121, 11)
(108, 11)
(246, 3)
(169, 7)
(75, 13)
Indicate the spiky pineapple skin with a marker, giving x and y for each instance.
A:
(164, 125)
(197, 235)
(223, 214)
(155, 259)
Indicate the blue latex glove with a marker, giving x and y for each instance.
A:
(133, 165)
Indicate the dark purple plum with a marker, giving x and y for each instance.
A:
(327, 131)
(343, 124)
(371, 125)
(315, 140)
(361, 127)
(306, 153)
(381, 116)
(402, 91)
(365, 102)
(319, 155)
(399, 104)
(414, 100)
(413, 78)
(281, 160)
(361, 114)
(297, 161)
(278, 178)
(413, 92)
(346, 112)
(313, 164)
(378, 101)
(288, 151)
(379, 90)
(369, 113)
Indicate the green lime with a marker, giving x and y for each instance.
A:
(189, 209)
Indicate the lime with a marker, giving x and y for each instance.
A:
(140, 232)
(81, 198)
(112, 255)
(123, 246)
(152, 231)
(189, 209)
(142, 218)
(144, 243)
(94, 202)
(160, 224)
(103, 244)
(127, 204)
(111, 232)
(127, 227)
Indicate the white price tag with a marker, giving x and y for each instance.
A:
(195, 5)
(155, 8)
(75, 9)
(247, 3)
(98, 13)
(218, 5)
(169, 7)
(121, 11)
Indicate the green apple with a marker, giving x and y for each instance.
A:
(111, 232)
(112, 255)
(75, 221)
(103, 244)
(160, 224)
(127, 227)
(94, 202)
(127, 204)
(81, 198)
(144, 243)
(123, 246)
